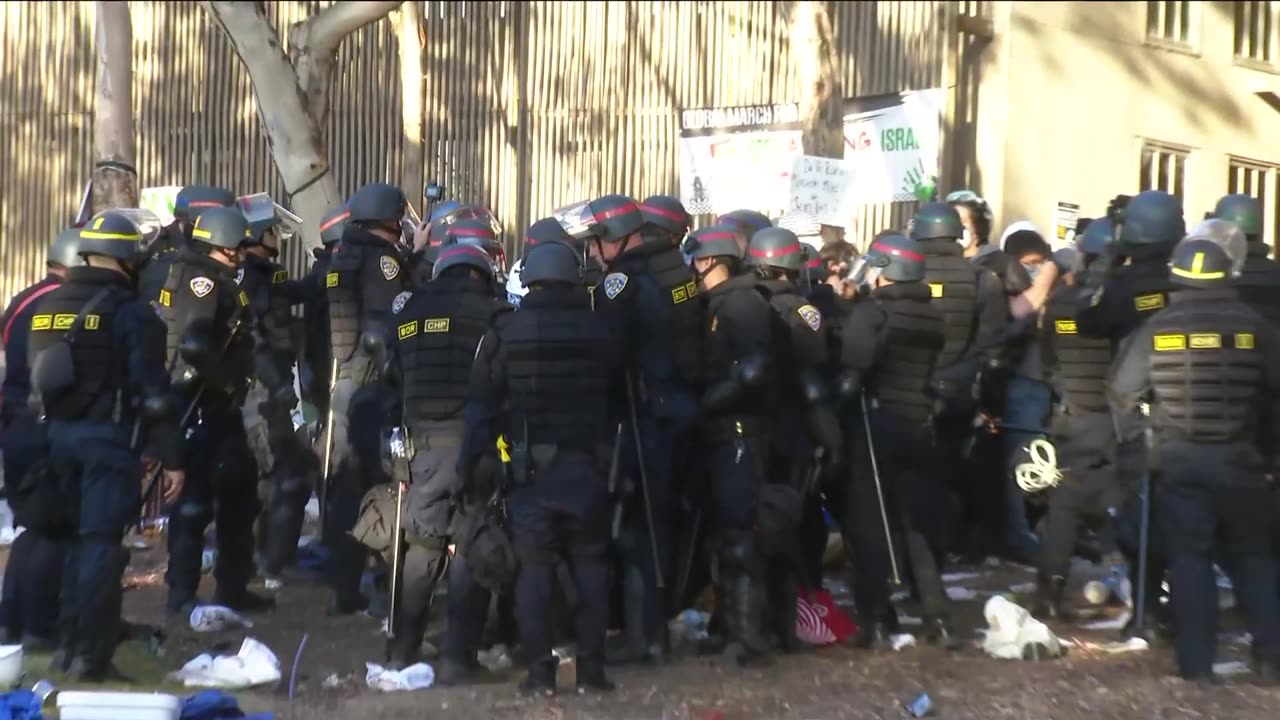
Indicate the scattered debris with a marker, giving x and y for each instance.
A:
(255, 664)
(1014, 634)
(216, 618)
(415, 677)
(958, 594)
(921, 706)
(902, 640)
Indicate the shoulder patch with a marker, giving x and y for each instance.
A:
(1148, 303)
(435, 325)
(239, 275)
(682, 293)
(279, 277)
(398, 304)
(390, 267)
(201, 286)
(811, 315)
(1065, 327)
(331, 280)
(614, 284)
(935, 290)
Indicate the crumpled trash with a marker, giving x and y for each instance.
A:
(216, 705)
(690, 625)
(9, 533)
(415, 677)
(255, 664)
(495, 659)
(901, 641)
(1230, 667)
(312, 509)
(1015, 635)
(215, 618)
(20, 705)
(956, 593)
(1116, 623)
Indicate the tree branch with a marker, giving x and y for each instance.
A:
(313, 46)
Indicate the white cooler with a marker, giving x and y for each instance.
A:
(117, 706)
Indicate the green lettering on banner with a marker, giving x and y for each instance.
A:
(898, 139)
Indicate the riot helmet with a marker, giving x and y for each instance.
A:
(1242, 210)
(551, 262)
(1228, 236)
(1199, 263)
(112, 235)
(377, 204)
(478, 233)
(1097, 236)
(616, 217)
(667, 215)
(64, 251)
(775, 248)
(547, 229)
(221, 227)
(462, 255)
(714, 241)
(332, 224)
(193, 200)
(745, 223)
(891, 255)
(1152, 224)
(936, 221)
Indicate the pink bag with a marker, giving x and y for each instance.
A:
(819, 621)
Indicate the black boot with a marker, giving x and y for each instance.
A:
(1050, 595)
(937, 631)
(243, 601)
(452, 672)
(591, 677)
(541, 678)
(783, 611)
(750, 603)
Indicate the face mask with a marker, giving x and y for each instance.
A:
(964, 238)
(1032, 271)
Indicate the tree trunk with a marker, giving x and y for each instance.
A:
(813, 46)
(115, 181)
(293, 102)
(409, 31)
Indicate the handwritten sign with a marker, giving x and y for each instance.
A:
(822, 187)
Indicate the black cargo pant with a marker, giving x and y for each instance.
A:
(1085, 446)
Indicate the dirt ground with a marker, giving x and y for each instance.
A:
(823, 684)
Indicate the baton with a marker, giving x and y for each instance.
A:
(644, 484)
(875, 472)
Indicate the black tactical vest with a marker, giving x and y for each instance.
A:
(1204, 367)
(556, 374)
(1076, 365)
(719, 354)
(438, 329)
(360, 261)
(101, 367)
(679, 286)
(912, 336)
(1146, 286)
(263, 281)
(1259, 284)
(953, 286)
(805, 336)
(193, 274)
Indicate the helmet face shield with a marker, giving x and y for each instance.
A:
(1226, 235)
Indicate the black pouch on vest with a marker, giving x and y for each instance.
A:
(53, 369)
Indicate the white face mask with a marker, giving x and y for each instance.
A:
(964, 238)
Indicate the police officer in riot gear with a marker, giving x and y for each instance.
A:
(316, 367)
(891, 344)
(551, 365)
(1210, 367)
(650, 299)
(98, 367)
(737, 406)
(972, 300)
(805, 419)
(363, 281)
(666, 219)
(287, 465)
(438, 329)
(191, 201)
(544, 230)
(1076, 367)
(28, 608)
(1259, 283)
(210, 351)
(1150, 226)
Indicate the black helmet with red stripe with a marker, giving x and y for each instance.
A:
(547, 229)
(713, 241)
(775, 247)
(195, 199)
(893, 256)
(332, 223)
(478, 233)
(667, 215)
(462, 255)
(617, 217)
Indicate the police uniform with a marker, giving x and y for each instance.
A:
(364, 279)
(972, 300)
(1211, 367)
(740, 343)
(1259, 283)
(1129, 297)
(289, 467)
(651, 300)
(210, 349)
(551, 365)
(29, 603)
(163, 251)
(891, 344)
(315, 369)
(438, 330)
(115, 353)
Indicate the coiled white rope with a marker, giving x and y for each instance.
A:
(1042, 471)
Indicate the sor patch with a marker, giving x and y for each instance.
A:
(1148, 303)
(435, 325)
(407, 330)
(1168, 343)
(331, 280)
(681, 293)
(935, 290)
(1064, 327)
(42, 322)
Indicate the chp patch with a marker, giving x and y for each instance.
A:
(201, 286)
(614, 283)
(398, 304)
(811, 316)
(390, 268)
(239, 276)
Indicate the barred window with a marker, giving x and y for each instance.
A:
(1163, 167)
(1256, 179)
(1170, 21)
(1255, 30)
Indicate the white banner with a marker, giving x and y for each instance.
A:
(823, 188)
(738, 158)
(160, 200)
(893, 149)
